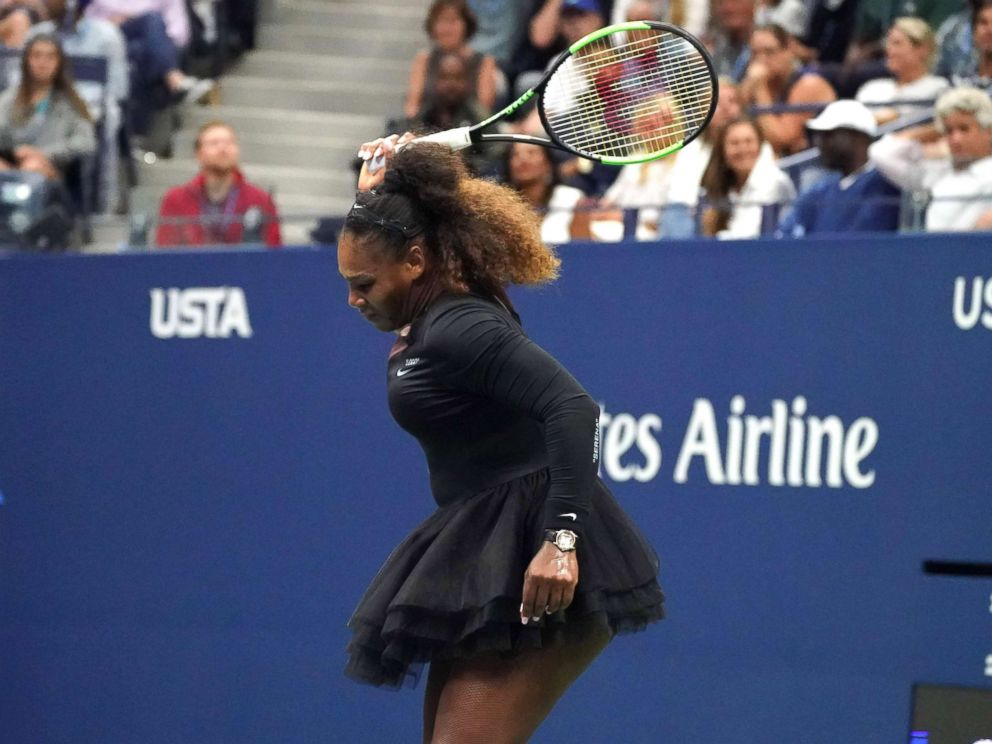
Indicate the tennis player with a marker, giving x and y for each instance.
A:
(528, 567)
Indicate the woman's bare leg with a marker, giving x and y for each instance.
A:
(494, 700)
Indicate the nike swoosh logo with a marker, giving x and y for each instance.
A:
(571, 515)
(401, 372)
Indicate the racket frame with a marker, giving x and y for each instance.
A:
(475, 135)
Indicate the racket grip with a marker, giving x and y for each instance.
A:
(456, 139)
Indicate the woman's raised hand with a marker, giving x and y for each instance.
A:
(376, 156)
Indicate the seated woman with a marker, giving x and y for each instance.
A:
(909, 53)
(740, 181)
(965, 45)
(450, 24)
(44, 124)
(775, 75)
(530, 170)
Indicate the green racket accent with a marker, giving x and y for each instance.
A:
(508, 110)
(633, 160)
(606, 31)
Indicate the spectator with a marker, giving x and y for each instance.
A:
(555, 27)
(776, 76)
(740, 181)
(502, 26)
(730, 31)
(690, 164)
(909, 53)
(855, 197)
(960, 184)
(640, 186)
(451, 105)
(965, 42)
(44, 124)
(450, 24)
(209, 210)
(156, 32)
(17, 17)
(530, 170)
(94, 37)
(828, 33)
(692, 16)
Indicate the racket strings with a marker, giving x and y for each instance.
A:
(625, 98)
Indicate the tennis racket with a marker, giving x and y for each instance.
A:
(627, 93)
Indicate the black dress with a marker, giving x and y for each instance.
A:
(512, 444)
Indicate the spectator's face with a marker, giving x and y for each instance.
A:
(765, 48)
(578, 23)
(741, 146)
(218, 150)
(451, 86)
(43, 62)
(983, 31)
(448, 30)
(736, 17)
(835, 147)
(902, 55)
(529, 164)
(728, 106)
(966, 139)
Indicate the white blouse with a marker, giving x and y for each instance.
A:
(887, 90)
(959, 196)
(556, 227)
(767, 184)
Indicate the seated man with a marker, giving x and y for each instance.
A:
(856, 197)
(156, 32)
(960, 183)
(210, 209)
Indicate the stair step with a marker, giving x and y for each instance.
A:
(396, 44)
(320, 96)
(331, 153)
(303, 66)
(286, 121)
(359, 15)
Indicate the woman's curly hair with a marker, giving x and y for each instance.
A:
(477, 232)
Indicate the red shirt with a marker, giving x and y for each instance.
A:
(189, 200)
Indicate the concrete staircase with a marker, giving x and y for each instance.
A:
(324, 78)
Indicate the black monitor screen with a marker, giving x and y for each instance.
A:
(951, 715)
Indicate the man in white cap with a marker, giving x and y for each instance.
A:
(855, 197)
(959, 179)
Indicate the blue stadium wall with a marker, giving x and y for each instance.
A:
(199, 475)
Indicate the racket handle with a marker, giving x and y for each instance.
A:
(456, 139)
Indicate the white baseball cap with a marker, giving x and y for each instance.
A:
(846, 114)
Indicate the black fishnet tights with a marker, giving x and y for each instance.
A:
(495, 700)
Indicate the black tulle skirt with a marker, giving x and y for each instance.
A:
(453, 587)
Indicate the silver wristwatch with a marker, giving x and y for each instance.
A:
(564, 540)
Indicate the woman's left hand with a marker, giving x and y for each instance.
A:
(549, 583)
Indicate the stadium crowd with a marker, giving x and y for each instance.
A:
(832, 115)
(843, 108)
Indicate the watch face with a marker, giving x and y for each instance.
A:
(565, 540)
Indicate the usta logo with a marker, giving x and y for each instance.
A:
(968, 310)
(195, 312)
